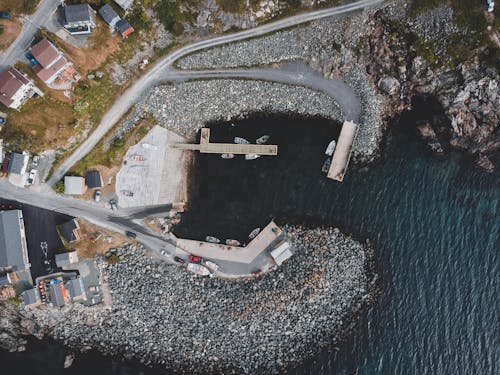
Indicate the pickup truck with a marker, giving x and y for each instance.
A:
(5, 15)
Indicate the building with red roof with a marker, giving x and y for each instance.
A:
(16, 88)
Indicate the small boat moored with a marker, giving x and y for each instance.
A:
(251, 156)
(330, 148)
(263, 139)
(241, 141)
(198, 269)
(227, 156)
(254, 233)
(212, 239)
(230, 242)
(326, 165)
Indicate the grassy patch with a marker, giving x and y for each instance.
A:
(113, 259)
(18, 6)
(108, 157)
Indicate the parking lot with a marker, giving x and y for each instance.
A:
(41, 235)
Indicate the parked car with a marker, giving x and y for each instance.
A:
(97, 195)
(130, 234)
(195, 259)
(112, 203)
(179, 260)
(164, 253)
(5, 15)
(35, 161)
(31, 177)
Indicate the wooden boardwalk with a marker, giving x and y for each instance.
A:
(226, 148)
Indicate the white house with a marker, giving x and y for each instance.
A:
(16, 88)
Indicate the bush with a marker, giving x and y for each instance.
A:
(59, 187)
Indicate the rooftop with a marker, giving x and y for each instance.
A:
(17, 163)
(13, 250)
(10, 82)
(77, 13)
(93, 179)
(108, 14)
(74, 185)
(69, 231)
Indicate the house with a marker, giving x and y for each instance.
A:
(76, 290)
(124, 4)
(31, 298)
(65, 259)
(79, 19)
(69, 231)
(18, 163)
(93, 179)
(13, 248)
(58, 294)
(74, 185)
(51, 65)
(16, 88)
(109, 15)
(124, 28)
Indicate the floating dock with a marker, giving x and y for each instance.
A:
(342, 153)
(226, 148)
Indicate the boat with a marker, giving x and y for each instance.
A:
(241, 141)
(198, 269)
(254, 233)
(233, 243)
(137, 158)
(213, 266)
(263, 139)
(212, 239)
(326, 165)
(127, 193)
(330, 148)
(227, 156)
(251, 156)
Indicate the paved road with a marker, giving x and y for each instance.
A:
(162, 70)
(31, 26)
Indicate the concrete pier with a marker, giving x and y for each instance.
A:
(342, 153)
(226, 148)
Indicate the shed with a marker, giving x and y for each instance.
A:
(69, 230)
(58, 294)
(76, 289)
(18, 163)
(124, 28)
(65, 259)
(93, 179)
(74, 185)
(31, 298)
(124, 4)
(109, 15)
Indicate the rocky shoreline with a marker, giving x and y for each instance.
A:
(162, 315)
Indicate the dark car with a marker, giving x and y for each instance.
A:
(179, 260)
(130, 234)
(195, 259)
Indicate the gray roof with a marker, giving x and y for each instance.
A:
(5, 280)
(75, 288)
(30, 296)
(69, 230)
(12, 243)
(77, 13)
(124, 4)
(122, 26)
(74, 185)
(56, 294)
(108, 14)
(65, 259)
(93, 179)
(16, 163)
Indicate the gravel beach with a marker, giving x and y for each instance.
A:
(163, 315)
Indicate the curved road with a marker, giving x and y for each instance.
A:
(162, 70)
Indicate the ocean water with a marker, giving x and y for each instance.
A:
(435, 225)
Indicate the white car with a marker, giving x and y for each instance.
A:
(35, 161)
(32, 177)
(97, 196)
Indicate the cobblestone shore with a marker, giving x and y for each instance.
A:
(163, 315)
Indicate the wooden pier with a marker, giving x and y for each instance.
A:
(226, 148)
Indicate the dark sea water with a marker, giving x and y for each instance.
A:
(435, 225)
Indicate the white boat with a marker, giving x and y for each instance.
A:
(254, 233)
(241, 141)
(326, 165)
(330, 148)
(198, 269)
(233, 243)
(263, 139)
(213, 266)
(212, 239)
(227, 156)
(251, 156)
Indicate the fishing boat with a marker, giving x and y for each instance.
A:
(326, 165)
(263, 139)
(212, 239)
(330, 148)
(227, 156)
(251, 156)
(213, 266)
(198, 269)
(254, 233)
(233, 243)
(241, 141)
